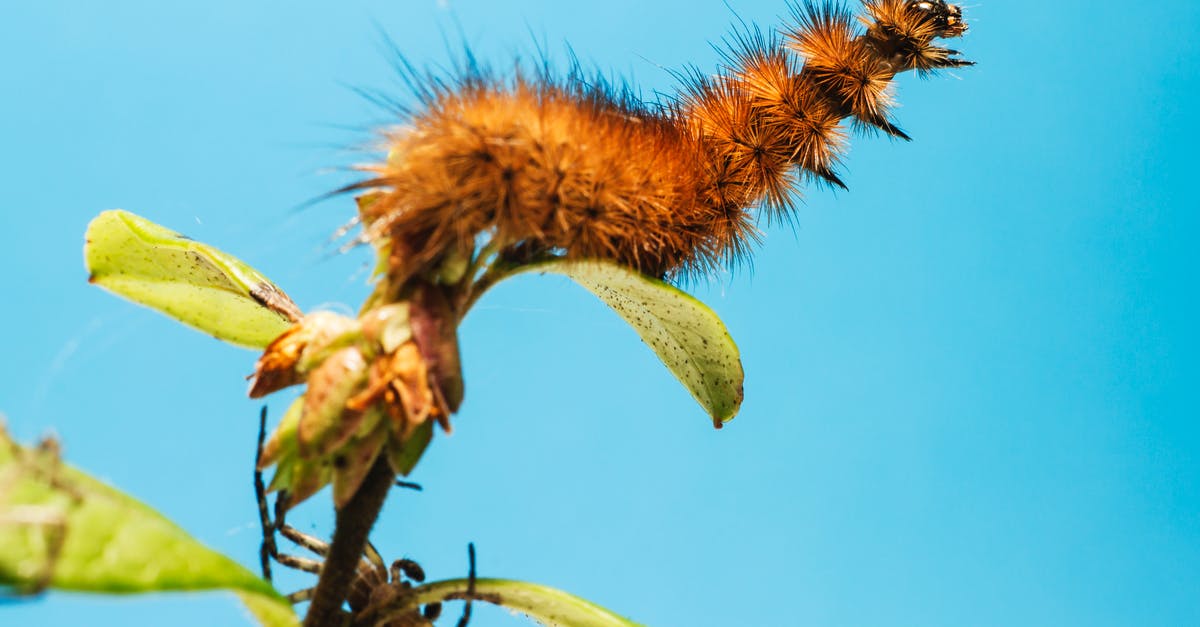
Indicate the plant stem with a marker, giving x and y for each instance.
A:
(496, 273)
(354, 522)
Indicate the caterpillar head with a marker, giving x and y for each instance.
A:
(903, 33)
(945, 18)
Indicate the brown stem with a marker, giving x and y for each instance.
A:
(354, 522)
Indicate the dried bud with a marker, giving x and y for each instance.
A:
(327, 423)
(435, 329)
(388, 326)
(371, 390)
(300, 349)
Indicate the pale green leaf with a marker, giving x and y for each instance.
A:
(686, 335)
(186, 280)
(548, 606)
(62, 529)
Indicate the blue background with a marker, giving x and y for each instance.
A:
(971, 393)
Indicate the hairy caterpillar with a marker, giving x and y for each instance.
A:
(539, 165)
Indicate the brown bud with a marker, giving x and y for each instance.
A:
(387, 326)
(300, 348)
(327, 423)
(435, 329)
(411, 388)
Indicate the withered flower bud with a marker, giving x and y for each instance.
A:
(302, 347)
(370, 387)
(327, 422)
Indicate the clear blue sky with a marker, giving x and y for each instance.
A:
(972, 381)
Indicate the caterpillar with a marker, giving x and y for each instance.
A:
(533, 164)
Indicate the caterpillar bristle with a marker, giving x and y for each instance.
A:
(582, 167)
(822, 32)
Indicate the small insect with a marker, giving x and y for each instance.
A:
(40, 465)
(376, 589)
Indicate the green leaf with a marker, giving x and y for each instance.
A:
(63, 529)
(548, 606)
(194, 283)
(686, 335)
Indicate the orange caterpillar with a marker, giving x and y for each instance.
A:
(537, 166)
